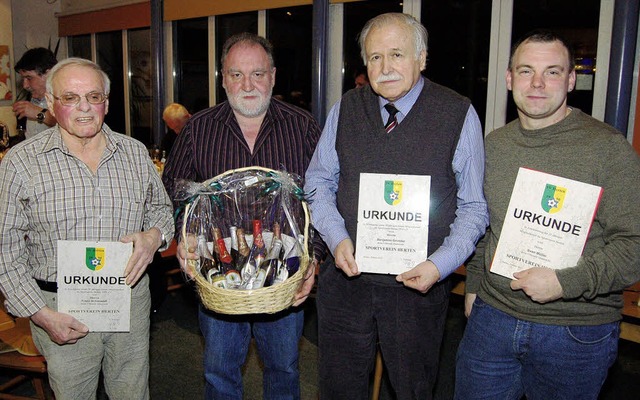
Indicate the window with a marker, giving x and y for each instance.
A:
(140, 75)
(80, 46)
(191, 81)
(289, 30)
(227, 26)
(577, 21)
(355, 16)
(458, 48)
(109, 50)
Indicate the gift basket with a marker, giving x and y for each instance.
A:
(250, 229)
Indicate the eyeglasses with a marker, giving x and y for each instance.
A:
(72, 99)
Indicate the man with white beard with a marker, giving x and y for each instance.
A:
(250, 129)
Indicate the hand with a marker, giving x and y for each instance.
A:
(186, 250)
(421, 277)
(145, 245)
(469, 299)
(344, 258)
(62, 328)
(307, 284)
(26, 109)
(541, 284)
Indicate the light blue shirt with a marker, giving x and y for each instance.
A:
(472, 216)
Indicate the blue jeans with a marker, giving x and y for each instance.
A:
(502, 357)
(227, 341)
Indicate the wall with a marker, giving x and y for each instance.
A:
(34, 25)
(75, 6)
(6, 115)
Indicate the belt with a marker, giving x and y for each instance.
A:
(48, 286)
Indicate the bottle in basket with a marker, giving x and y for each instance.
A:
(234, 243)
(282, 273)
(268, 268)
(292, 260)
(226, 262)
(217, 234)
(231, 275)
(243, 249)
(208, 268)
(208, 260)
(258, 250)
(257, 254)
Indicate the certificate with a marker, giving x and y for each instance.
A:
(393, 222)
(547, 223)
(91, 285)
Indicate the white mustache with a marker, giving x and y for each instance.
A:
(389, 77)
(253, 92)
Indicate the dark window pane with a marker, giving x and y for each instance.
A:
(227, 26)
(109, 49)
(140, 84)
(289, 30)
(80, 46)
(458, 48)
(191, 83)
(577, 22)
(355, 16)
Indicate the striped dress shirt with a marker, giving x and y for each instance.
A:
(47, 194)
(212, 143)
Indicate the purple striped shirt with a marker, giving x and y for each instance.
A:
(212, 143)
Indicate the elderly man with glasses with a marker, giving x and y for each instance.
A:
(80, 181)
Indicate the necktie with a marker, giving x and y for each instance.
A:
(392, 121)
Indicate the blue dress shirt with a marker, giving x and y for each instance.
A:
(472, 216)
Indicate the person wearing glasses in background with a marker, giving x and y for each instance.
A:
(32, 113)
(81, 181)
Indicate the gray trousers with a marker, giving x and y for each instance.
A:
(123, 357)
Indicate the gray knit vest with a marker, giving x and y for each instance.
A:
(424, 143)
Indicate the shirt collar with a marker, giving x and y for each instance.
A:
(406, 102)
(54, 140)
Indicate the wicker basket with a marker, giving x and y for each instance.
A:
(269, 299)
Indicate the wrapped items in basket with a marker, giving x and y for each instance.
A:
(250, 229)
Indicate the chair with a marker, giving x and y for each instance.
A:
(20, 361)
(377, 377)
(174, 276)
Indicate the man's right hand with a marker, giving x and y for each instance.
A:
(344, 258)
(469, 298)
(62, 328)
(186, 250)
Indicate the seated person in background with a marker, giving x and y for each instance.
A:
(33, 67)
(361, 79)
(175, 116)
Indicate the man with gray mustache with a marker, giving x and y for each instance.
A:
(402, 123)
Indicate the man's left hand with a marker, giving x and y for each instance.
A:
(145, 244)
(307, 284)
(421, 277)
(26, 109)
(541, 284)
